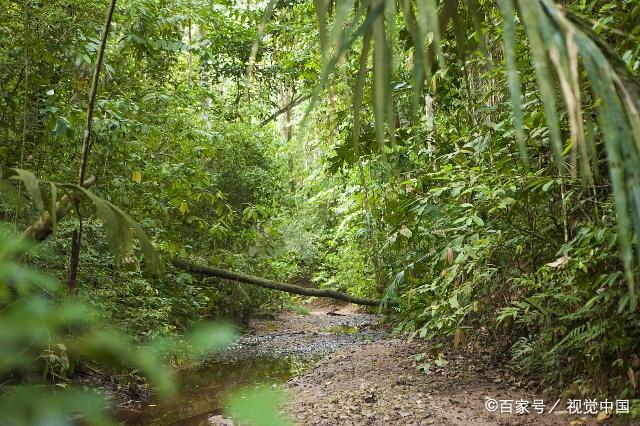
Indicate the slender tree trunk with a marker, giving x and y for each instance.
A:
(77, 234)
(25, 106)
(373, 241)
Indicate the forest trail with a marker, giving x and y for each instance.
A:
(351, 371)
(339, 366)
(376, 381)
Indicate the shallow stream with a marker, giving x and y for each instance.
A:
(204, 389)
(274, 352)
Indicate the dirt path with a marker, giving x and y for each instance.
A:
(370, 378)
(341, 367)
(378, 383)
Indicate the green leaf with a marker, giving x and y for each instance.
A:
(509, 40)
(381, 78)
(453, 301)
(117, 234)
(32, 186)
(151, 257)
(347, 38)
(417, 35)
(357, 91)
(213, 337)
(538, 27)
(257, 407)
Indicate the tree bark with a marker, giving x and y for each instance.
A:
(77, 234)
(25, 106)
(288, 288)
(40, 230)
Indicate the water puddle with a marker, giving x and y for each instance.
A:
(204, 389)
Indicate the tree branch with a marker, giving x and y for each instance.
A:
(284, 109)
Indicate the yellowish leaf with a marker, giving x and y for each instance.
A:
(410, 295)
(137, 176)
(184, 207)
(632, 377)
(602, 416)
(459, 338)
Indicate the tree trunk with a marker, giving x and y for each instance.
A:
(288, 288)
(86, 143)
(42, 228)
(25, 107)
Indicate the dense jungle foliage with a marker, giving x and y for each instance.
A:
(474, 162)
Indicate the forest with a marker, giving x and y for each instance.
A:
(277, 212)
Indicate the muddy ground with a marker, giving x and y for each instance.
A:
(341, 366)
(372, 378)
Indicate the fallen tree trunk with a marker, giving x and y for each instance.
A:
(40, 230)
(262, 282)
(43, 227)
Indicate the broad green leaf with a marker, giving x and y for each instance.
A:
(257, 407)
(213, 337)
(151, 257)
(538, 27)
(117, 233)
(32, 186)
(357, 92)
(381, 78)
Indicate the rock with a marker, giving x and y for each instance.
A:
(370, 398)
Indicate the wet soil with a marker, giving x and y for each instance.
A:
(342, 367)
(272, 351)
(378, 383)
(385, 381)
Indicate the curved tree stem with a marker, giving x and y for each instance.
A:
(77, 235)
